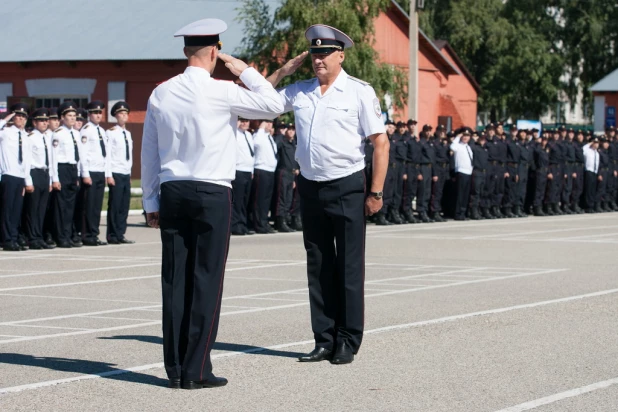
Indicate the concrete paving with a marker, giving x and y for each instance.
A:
(507, 315)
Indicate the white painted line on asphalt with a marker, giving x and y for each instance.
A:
(86, 282)
(116, 318)
(526, 406)
(12, 336)
(266, 279)
(538, 232)
(277, 299)
(403, 326)
(62, 272)
(76, 315)
(17, 325)
(75, 298)
(590, 236)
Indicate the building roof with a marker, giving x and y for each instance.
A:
(607, 84)
(442, 45)
(78, 30)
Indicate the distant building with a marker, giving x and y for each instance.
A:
(605, 101)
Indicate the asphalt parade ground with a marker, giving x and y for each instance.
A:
(502, 315)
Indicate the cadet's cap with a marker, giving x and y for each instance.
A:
(291, 126)
(203, 33)
(440, 127)
(610, 129)
(120, 106)
(95, 106)
(499, 124)
(535, 130)
(490, 126)
(278, 124)
(389, 122)
(82, 114)
(580, 131)
(513, 128)
(40, 114)
(53, 113)
(66, 107)
(401, 124)
(327, 39)
(20, 108)
(427, 128)
(562, 128)
(571, 130)
(466, 131)
(242, 119)
(411, 122)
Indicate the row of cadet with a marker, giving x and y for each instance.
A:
(494, 174)
(53, 176)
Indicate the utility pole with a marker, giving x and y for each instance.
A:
(413, 66)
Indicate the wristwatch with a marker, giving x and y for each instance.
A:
(377, 195)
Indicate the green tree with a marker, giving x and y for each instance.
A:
(273, 38)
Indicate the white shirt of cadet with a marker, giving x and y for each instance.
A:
(117, 150)
(39, 144)
(245, 159)
(63, 149)
(331, 128)
(592, 158)
(463, 156)
(265, 151)
(9, 152)
(92, 135)
(190, 128)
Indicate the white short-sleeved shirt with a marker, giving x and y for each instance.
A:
(331, 128)
(245, 151)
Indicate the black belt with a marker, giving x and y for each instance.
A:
(494, 162)
(479, 170)
(393, 165)
(426, 164)
(286, 170)
(604, 169)
(67, 164)
(512, 164)
(570, 163)
(443, 164)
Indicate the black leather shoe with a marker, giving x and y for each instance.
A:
(65, 245)
(76, 244)
(209, 383)
(343, 354)
(36, 245)
(12, 247)
(90, 242)
(238, 233)
(249, 232)
(316, 355)
(126, 241)
(101, 243)
(113, 241)
(48, 246)
(174, 383)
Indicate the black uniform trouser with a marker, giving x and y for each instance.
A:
(463, 194)
(422, 205)
(195, 220)
(590, 189)
(92, 203)
(490, 185)
(333, 215)
(241, 186)
(261, 195)
(499, 187)
(531, 189)
(477, 186)
(388, 193)
(12, 188)
(295, 208)
(601, 195)
(284, 192)
(442, 171)
(611, 185)
(118, 205)
(509, 198)
(578, 184)
(522, 186)
(35, 205)
(554, 186)
(540, 186)
(411, 188)
(398, 186)
(567, 186)
(64, 201)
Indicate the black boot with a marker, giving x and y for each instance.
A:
(409, 216)
(606, 207)
(297, 223)
(474, 213)
(496, 212)
(487, 214)
(556, 209)
(437, 218)
(281, 225)
(508, 213)
(566, 210)
(381, 220)
(538, 211)
(391, 217)
(597, 208)
(397, 217)
(424, 218)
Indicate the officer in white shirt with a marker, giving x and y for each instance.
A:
(94, 140)
(241, 186)
(463, 155)
(188, 165)
(264, 176)
(15, 159)
(334, 113)
(67, 150)
(120, 149)
(38, 182)
(591, 175)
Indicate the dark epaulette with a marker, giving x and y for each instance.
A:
(85, 127)
(57, 130)
(364, 83)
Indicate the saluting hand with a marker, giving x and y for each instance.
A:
(293, 64)
(236, 66)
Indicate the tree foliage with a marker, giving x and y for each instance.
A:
(273, 38)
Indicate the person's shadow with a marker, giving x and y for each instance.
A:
(229, 347)
(102, 369)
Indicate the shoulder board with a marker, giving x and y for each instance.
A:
(364, 83)
(57, 130)
(85, 127)
(113, 128)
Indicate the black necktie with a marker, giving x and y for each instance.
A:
(101, 142)
(20, 154)
(76, 151)
(126, 144)
(248, 145)
(469, 153)
(46, 154)
(272, 144)
(596, 155)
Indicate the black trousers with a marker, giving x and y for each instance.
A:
(411, 188)
(601, 195)
(522, 186)
(118, 205)
(490, 185)
(195, 220)
(295, 208)
(35, 205)
(500, 184)
(398, 186)
(554, 186)
(477, 187)
(333, 215)
(540, 187)
(567, 186)
(509, 198)
(463, 194)
(590, 189)
(438, 187)
(91, 205)
(284, 192)
(241, 186)
(261, 195)
(388, 193)
(12, 188)
(64, 202)
(578, 184)
(423, 206)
